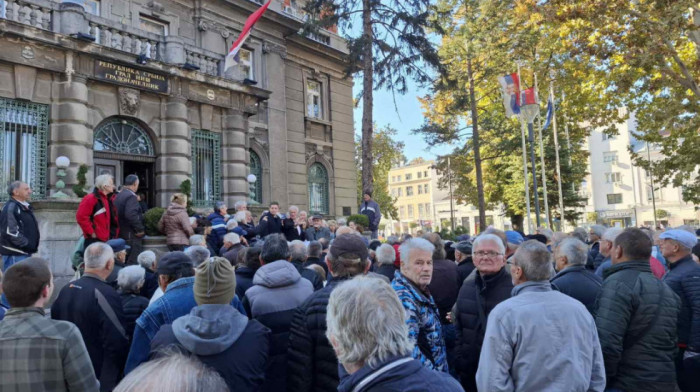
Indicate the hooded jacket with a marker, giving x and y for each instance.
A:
(222, 338)
(278, 289)
(175, 224)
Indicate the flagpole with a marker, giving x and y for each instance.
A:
(548, 218)
(556, 152)
(526, 182)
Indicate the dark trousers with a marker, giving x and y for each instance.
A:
(132, 254)
(176, 248)
(687, 373)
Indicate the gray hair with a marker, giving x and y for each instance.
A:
(198, 254)
(342, 222)
(131, 179)
(14, 185)
(97, 255)
(219, 205)
(147, 259)
(611, 233)
(231, 224)
(366, 319)
(392, 239)
(315, 249)
(239, 204)
(232, 238)
(275, 248)
(576, 252)
(535, 260)
(598, 230)
(240, 216)
(172, 371)
(415, 244)
(297, 251)
(579, 233)
(488, 238)
(293, 208)
(131, 278)
(549, 234)
(196, 240)
(385, 254)
(102, 180)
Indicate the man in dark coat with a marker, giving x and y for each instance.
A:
(385, 261)
(270, 221)
(131, 224)
(96, 309)
(370, 208)
(216, 333)
(684, 279)
(315, 252)
(19, 230)
(232, 245)
(595, 233)
(463, 258)
(291, 227)
(218, 218)
(298, 256)
(573, 279)
(487, 286)
(636, 318)
(246, 272)
(312, 364)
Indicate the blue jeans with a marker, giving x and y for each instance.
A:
(7, 262)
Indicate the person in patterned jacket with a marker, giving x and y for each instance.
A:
(422, 317)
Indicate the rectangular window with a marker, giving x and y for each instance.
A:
(206, 167)
(398, 178)
(425, 189)
(409, 191)
(23, 143)
(657, 194)
(465, 223)
(410, 211)
(409, 176)
(402, 212)
(425, 174)
(608, 137)
(610, 157)
(153, 25)
(400, 192)
(245, 61)
(427, 210)
(613, 178)
(313, 99)
(420, 190)
(614, 198)
(420, 174)
(421, 211)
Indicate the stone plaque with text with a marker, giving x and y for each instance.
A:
(128, 76)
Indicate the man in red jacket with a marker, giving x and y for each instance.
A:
(96, 214)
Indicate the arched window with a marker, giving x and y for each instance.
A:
(257, 170)
(318, 189)
(122, 136)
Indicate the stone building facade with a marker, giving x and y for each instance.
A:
(129, 86)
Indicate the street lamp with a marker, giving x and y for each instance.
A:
(251, 188)
(62, 164)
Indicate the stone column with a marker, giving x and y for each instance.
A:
(174, 161)
(70, 133)
(234, 165)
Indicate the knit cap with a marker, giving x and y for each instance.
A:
(214, 282)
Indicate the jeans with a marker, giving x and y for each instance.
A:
(7, 262)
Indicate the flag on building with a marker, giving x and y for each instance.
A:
(510, 85)
(232, 56)
(550, 111)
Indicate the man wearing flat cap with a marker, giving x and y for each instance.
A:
(684, 279)
(463, 258)
(317, 231)
(120, 248)
(312, 364)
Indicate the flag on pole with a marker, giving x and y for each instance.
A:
(550, 111)
(510, 85)
(528, 97)
(232, 56)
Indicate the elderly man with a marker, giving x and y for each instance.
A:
(371, 343)
(595, 233)
(96, 309)
(292, 227)
(132, 227)
(232, 245)
(463, 258)
(120, 248)
(684, 280)
(19, 230)
(37, 353)
(317, 231)
(96, 214)
(297, 256)
(603, 260)
(240, 205)
(479, 294)
(637, 318)
(573, 279)
(422, 315)
(385, 261)
(312, 365)
(218, 219)
(147, 260)
(315, 250)
(540, 339)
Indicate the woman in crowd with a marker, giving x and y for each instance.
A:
(130, 282)
(175, 223)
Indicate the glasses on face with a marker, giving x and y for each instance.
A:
(490, 254)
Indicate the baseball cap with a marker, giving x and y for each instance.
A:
(513, 237)
(174, 262)
(118, 245)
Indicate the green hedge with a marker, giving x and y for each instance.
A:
(152, 217)
(360, 219)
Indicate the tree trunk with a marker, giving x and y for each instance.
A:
(475, 142)
(367, 98)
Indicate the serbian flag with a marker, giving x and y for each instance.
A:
(232, 56)
(528, 97)
(510, 85)
(550, 112)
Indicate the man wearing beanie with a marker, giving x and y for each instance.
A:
(216, 333)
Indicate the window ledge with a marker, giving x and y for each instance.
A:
(318, 120)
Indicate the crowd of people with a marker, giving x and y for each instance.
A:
(295, 303)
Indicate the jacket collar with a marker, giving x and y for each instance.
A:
(638, 265)
(413, 289)
(535, 286)
(24, 204)
(25, 312)
(483, 282)
(93, 276)
(686, 259)
(182, 282)
(349, 381)
(569, 269)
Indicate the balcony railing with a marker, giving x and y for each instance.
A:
(125, 38)
(35, 14)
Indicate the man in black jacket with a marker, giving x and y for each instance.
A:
(19, 231)
(270, 221)
(486, 287)
(573, 278)
(131, 223)
(636, 318)
(96, 309)
(312, 364)
(291, 227)
(463, 258)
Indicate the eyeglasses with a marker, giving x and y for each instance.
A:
(490, 254)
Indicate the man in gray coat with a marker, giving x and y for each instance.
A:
(539, 339)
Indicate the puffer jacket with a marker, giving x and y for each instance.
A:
(470, 327)
(175, 224)
(423, 320)
(684, 280)
(312, 365)
(133, 305)
(444, 286)
(215, 239)
(636, 318)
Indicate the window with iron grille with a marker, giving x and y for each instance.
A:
(206, 167)
(23, 142)
(318, 189)
(256, 169)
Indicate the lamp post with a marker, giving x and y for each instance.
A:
(62, 164)
(251, 188)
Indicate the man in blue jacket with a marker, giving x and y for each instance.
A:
(573, 279)
(370, 208)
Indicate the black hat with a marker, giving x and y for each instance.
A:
(349, 243)
(173, 263)
(317, 216)
(374, 244)
(463, 247)
(537, 237)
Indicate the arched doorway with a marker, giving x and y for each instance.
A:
(121, 147)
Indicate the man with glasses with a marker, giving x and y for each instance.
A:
(487, 286)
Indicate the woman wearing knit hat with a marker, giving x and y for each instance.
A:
(218, 334)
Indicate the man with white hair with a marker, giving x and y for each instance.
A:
(595, 233)
(297, 256)
(96, 309)
(603, 261)
(483, 289)
(147, 260)
(386, 255)
(573, 279)
(371, 343)
(422, 315)
(96, 214)
(292, 227)
(539, 339)
(240, 205)
(198, 254)
(232, 245)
